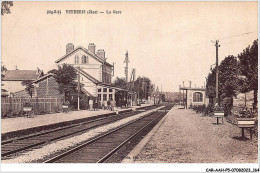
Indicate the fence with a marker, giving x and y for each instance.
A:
(44, 105)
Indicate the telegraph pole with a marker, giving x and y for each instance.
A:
(78, 85)
(126, 67)
(126, 72)
(217, 46)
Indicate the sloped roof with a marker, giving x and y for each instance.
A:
(86, 51)
(86, 92)
(113, 87)
(21, 75)
(43, 77)
(88, 76)
(188, 88)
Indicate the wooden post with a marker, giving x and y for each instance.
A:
(44, 103)
(20, 104)
(10, 103)
(50, 105)
(251, 134)
(243, 132)
(186, 99)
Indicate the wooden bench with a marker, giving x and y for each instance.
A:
(246, 123)
(219, 115)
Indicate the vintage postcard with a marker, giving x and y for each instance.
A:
(129, 83)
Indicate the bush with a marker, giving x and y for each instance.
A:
(3, 114)
(21, 113)
(83, 103)
(209, 109)
(227, 105)
(11, 113)
(27, 104)
(199, 108)
(56, 109)
(39, 111)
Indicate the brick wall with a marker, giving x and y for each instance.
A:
(48, 88)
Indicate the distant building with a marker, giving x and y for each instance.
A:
(194, 96)
(46, 86)
(12, 82)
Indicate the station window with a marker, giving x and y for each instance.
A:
(104, 89)
(110, 96)
(104, 97)
(99, 90)
(110, 90)
(197, 97)
(76, 59)
(84, 59)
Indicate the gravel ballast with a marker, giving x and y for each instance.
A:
(55, 147)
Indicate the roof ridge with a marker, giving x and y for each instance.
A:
(40, 78)
(86, 50)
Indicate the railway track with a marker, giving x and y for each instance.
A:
(14, 147)
(112, 146)
(167, 107)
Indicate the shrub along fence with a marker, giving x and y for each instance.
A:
(14, 106)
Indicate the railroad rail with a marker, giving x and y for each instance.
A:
(167, 107)
(14, 147)
(112, 146)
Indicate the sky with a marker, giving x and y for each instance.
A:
(169, 42)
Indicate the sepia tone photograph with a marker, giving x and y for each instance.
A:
(130, 82)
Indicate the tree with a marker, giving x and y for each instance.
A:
(228, 81)
(3, 70)
(144, 86)
(28, 87)
(248, 67)
(211, 85)
(65, 76)
(6, 7)
(119, 82)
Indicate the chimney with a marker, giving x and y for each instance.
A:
(92, 47)
(101, 54)
(69, 48)
(190, 84)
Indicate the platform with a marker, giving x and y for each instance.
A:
(12, 125)
(184, 136)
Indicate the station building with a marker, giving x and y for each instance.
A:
(194, 96)
(94, 71)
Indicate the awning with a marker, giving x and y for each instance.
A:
(86, 92)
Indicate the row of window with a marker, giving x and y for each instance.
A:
(105, 90)
(110, 96)
(84, 59)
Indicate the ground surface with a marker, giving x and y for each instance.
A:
(188, 137)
